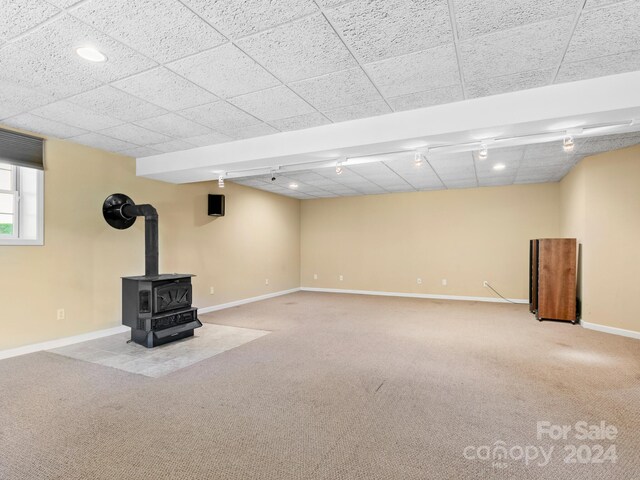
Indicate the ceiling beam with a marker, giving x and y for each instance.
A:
(602, 100)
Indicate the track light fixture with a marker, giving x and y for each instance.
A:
(273, 175)
(483, 154)
(568, 144)
(417, 158)
(339, 168)
(221, 181)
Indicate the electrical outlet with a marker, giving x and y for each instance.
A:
(485, 284)
(266, 281)
(341, 278)
(315, 276)
(212, 290)
(60, 314)
(444, 282)
(419, 281)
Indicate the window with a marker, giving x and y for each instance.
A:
(21, 205)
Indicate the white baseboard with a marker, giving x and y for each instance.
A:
(612, 330)
(415, 295)
(61, 342)
(244, 301)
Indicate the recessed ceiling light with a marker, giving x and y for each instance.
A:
(91, 54)
(293, 185)
(499, 166)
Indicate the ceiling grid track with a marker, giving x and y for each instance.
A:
(353, 55)
(573, 31)
(454, 32)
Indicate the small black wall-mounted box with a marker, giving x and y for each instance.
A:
(216, 205)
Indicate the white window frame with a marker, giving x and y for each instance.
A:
(15, 238)
(13, 190)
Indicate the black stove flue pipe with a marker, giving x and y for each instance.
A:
(121, 212)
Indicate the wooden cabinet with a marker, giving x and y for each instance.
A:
(552, 278)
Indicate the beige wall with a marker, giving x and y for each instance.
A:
(79, 266)
(378, 243)
(385, 242)
(601, 205)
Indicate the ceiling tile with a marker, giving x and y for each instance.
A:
(609, 142)
(219, 114)
(165, 88)
(15, 99)
(378, 29)
(237, 19)
(208, 139)
(172, 146)
(479, 17)
(135, 134)
(64, 3)
(487, 176)
(310, 178)
(103, 142)
(249, 182)
(353, 112)
(139, 152)
(21, 15)
(418, 176)
(250, 131)
(606, 31)
(225, 71)
(303, 49)
(600, 3)
(58, 75)
(174, 126)
(416, 72)
(165, 30)
(547, 162)
(76, 116)
(468, 183)
(427, 99)
(454, 167)
(36, 124)
(330, 3)
(300, 122)
(339, 89)
(599, 67)
(116, 103)
(381, 175)
(318, 181)
(531, 47)
(56, 42)
(510, 156)
(273, 104)
(542, 175)
(510, 83)
(548, 153)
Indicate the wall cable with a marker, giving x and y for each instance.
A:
(498, 293)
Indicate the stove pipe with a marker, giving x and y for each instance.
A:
(120, 212)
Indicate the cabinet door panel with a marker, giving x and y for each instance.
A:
(557, 278)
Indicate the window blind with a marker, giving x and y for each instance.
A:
(21, 150)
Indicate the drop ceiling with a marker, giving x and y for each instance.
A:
(545, 162)
(194, 73)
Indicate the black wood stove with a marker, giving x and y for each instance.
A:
(156, 307)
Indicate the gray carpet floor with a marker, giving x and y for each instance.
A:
(345, 387)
